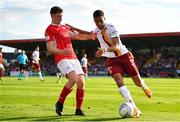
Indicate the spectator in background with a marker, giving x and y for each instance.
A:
(22, 60)
(84, 64)
(35, 65)
(1, 65)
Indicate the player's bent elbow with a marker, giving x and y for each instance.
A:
(49, 48)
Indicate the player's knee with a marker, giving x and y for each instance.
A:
(81, 82)
(73, 80)
(80, 85)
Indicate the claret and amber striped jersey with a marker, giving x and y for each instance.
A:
(35, 57)
(105, 37)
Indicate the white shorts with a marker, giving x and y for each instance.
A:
(68, 65)
(1, 66)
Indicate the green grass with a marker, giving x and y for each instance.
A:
(33, 100)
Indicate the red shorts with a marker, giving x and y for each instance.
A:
(35, 66)
(85, 70)
(123, 64)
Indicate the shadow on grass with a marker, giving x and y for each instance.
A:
(43, 118)
(99, 119)
(67, 117)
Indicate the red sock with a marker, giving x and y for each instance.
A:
(1, 73)
(64, 93)
(79, 98)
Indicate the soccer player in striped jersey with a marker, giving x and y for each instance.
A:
(120, 61)
(35, 65)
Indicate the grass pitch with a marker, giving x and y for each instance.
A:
(33, 100)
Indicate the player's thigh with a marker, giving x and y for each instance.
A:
(21, 67)
(85, 70)
(77, 67)
(37, 67)
(114, 67)
(130, 67)
(72, 77)
(65, 66)
(1, 67)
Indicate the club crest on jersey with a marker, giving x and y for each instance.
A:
(114, 32)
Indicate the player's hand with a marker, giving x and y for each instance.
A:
(100, 52)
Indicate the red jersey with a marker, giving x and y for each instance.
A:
(1, 58)
(60, 35)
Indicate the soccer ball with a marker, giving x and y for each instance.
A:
(126, 110)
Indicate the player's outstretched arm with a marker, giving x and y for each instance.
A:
(78, 30)
(80, 36)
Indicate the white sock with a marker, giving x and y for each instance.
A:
(40, 75)
(57, 74)
(126, 95)
(86, 76)
(143, 85)
(26, 74)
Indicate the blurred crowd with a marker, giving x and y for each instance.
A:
(160, 64)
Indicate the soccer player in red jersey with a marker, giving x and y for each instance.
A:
(59, 39)
(1, 65)
(119, 60)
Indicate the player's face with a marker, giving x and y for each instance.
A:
(57, 18)
(37, 48)
(99, 21)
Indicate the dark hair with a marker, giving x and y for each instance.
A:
(98, 13)
(55, 10)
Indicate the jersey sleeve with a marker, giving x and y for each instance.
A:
(49, 35)
(113, 31)
(71, 32)
(95, 30)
